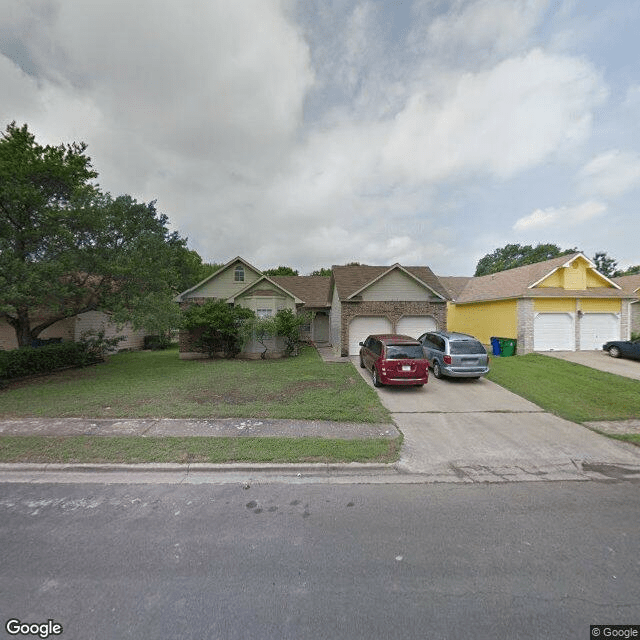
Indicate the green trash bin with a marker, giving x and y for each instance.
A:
(508, 347)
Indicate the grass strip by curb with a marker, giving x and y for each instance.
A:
(569, 390)
(132, 449)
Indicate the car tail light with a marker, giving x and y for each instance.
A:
(447, 359)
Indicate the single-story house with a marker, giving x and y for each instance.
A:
(563, 304)
(559, 304)
(72, 329)
(381, 299)
(631, 284)
(240, 283)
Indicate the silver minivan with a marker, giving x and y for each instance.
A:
(457, 355)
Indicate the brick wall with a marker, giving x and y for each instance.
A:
(393, 311)
(525, 326)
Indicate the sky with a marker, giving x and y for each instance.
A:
(317, 132)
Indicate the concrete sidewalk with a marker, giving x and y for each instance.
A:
(222, 427)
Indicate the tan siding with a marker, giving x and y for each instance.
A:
(396, 286)
(7, 337)
(98, 321)
(224, 285)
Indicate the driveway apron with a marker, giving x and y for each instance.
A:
(475, 430)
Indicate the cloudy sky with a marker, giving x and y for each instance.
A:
(319, 132)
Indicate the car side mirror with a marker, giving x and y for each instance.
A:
(361, 344)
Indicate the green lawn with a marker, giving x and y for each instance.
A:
(129, 450)
(155, 384)
(152, 384)
(569, 390)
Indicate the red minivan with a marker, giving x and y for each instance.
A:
(394, 359)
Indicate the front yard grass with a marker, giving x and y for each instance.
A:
(568, 390)
(157, 384)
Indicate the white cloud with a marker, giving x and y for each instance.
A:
(500, 26)
(611, 174)
(504, 120)
(560, 217)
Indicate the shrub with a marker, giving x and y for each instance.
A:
(28, 361)
(218, 327)
(288, 326)
(156, 343)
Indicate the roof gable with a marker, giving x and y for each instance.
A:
(216, 285)
(352, 280)
(254, 286)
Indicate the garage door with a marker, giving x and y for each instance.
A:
(364, 326)
(598, 328)
(554, 332)
(415, 326)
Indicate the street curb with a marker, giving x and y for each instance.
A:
(203, 467)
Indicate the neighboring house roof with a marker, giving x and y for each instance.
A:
(312, 290)
(352, 279)
(522, 282)
(631, 284)
(454, 284)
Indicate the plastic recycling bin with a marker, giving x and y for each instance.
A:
(495, 344)
(508, 347)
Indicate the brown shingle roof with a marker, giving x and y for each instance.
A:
(313, 290)
(454, 284)
(630, 284)
(352, 278)
(515, 283)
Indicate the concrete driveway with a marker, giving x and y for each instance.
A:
(476, 431)
(600, 360)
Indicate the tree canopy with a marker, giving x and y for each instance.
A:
(281, 271)
(515, 255)
(66, 247)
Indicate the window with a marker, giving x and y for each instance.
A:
(264, 313)
(238, 275)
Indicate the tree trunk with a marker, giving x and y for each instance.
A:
(22, 326)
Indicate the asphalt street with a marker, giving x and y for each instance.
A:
(493, 561)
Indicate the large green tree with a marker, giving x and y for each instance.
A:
(66, 247)
(605, 264)
(516, 255)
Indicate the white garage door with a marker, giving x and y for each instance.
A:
(364, 326)
(415, 326)
(554, 332)
(598, 328)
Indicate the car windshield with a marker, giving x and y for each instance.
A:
(460, 347)
(398, 351)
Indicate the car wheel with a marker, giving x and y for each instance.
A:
(361, 363)
(437, 371)
(614, 352)
(376, 380)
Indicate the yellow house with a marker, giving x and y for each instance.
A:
(563, 304)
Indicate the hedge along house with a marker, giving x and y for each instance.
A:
(381, 299)
(563, 304)
(240, 283)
